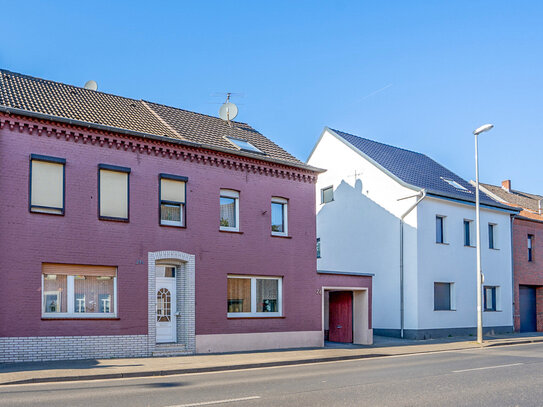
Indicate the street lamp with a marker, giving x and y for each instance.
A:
(478, 131)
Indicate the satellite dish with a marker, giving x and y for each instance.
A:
(228, 111)
(91, 85)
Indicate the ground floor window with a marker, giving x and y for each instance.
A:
(490, 297)
(444, 297)
(254, 296)
(78, 291)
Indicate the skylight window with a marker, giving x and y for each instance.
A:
(244, 145)
(454, 184)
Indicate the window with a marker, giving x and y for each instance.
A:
(254, 296)
(440, 234)
(279, 216)
(490, 298)
(467, 232)
(454, 184)
(327, 194)
(491, 236)
(47, 184)
(229, 210)
(318, 247)
(244, 145)
(530, 247)
(443, 297)
(78, 291)
(113, 192)
(172, 191)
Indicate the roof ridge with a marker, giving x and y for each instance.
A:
(198, 113)
(383, 144)
(35, 78)
(515, 191)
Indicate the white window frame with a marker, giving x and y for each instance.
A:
(253, 312)
(182, 205)
(230, 193)
(70, 306)
(283, 202)
(322, 194)
(455, 184)
(494, 236)
(443, 229)
(472, 236)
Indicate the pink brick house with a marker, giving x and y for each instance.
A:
(527, 255)
(135, 229)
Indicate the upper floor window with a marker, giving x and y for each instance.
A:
(229, 201)
(47, 184)
(327, 194)
(78, 291)
(440, 229)
(467, 232)
(491, 236)
(530, 247)
(318, 247)
(279, 216)
(113, 187)
(172, 200)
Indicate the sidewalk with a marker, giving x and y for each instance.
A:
(41, 372)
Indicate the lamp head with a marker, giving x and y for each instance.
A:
(483, 128)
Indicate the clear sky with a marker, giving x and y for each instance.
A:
(416, 74)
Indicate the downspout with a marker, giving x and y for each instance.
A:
(513, 270)
(421, 195)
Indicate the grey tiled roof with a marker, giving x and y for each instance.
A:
(44, 97)
(415, 169)
(525, 200)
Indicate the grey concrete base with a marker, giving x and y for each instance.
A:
(442, 332)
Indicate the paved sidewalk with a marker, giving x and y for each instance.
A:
(41, 372)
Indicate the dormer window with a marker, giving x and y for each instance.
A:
(244, 145)
(454, 184)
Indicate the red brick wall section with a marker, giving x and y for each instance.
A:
(28, 239)
(525, 272)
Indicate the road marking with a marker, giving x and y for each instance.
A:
(208, 403)
(487, 367)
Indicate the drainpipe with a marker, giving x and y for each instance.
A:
(513, 271)
(421, 196)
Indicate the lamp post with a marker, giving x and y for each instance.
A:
(478, 131)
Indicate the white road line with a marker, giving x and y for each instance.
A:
(208, 403)
(487, 367)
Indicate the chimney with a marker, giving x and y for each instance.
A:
(506, 185)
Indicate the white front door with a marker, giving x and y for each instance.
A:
(166, 330)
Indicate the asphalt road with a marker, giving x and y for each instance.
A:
(499, 376)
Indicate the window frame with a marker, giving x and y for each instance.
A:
(322, 194)
(70, 302)
(530, 243)
(442, 237)
(469, 224)
(53, 160)
(254, 149)
(492, 236)
(114, 168)
(254, 313)
(232, 194)
(284, 203)
(495, 298)
(172, 177)
(319, 248)
(452, 300)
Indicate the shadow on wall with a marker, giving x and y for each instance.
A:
(358, 235)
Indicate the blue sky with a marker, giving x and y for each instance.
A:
(416, 74)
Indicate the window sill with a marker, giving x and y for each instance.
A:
(113, 219)
(230, 231)
(468, 245)
(445, 310)
(493, 248)
(47, 213)
(173, 226)
(71, 318)
(492, 310)
(443, 243)
(283, 236)
(258, 317)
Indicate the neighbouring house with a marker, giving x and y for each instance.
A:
(527, 254)
(132, 228)
(403, 218)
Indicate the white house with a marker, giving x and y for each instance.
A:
(410, 222)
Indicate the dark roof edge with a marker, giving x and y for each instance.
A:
(528, 219)
(497, 205)
(22, 112)
(368, 158)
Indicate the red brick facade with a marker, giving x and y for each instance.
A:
(528, 272)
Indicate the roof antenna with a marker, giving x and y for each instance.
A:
(228, 110)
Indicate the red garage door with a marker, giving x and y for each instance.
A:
(341, 316)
